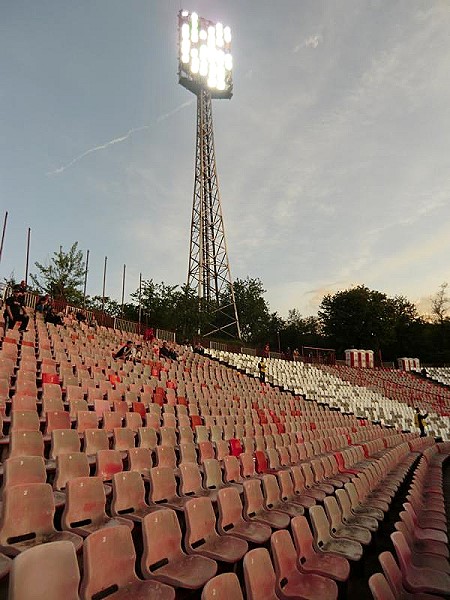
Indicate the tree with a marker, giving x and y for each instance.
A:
(253, 310)
(63, 277)
(439, 303)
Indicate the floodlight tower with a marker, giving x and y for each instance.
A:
(205, 69)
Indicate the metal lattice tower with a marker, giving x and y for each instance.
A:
(209, 268)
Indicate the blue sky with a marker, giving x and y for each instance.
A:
(333, 155)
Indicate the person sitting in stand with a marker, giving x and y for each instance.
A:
(125, 352)
(136, 354)
(80, 316)
(167, 352)
(198, 348)
(51, 316)
(43, 303)
(15, 312)
(420, 422)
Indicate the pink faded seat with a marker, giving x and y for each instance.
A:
(418, 579)
(324, 541)
(202, 537)
(272, 497)
(223, 587)
(254, 507)
(108, 559)
(231, 521)
(341, 530)
(27, 519)
(287, 491)
(45, 572)
(312, 561)
(84, 511)
(291, 583)
(163, 489)
(163, 558)
(393, 576)
(380, 588)
(259, 575)
(129, 496)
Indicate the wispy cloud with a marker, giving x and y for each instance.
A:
(119, 139)
(311, 42)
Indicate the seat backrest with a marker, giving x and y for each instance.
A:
(24, 469)
(57, 419)
(166, 456)
(168, 436)
(392, 573)
(133, 420)
(247, 465)
(230, 508)
(161, 535)
(86, 419)
(163, 485)
(320, 525)
(140, 460)
(286, 485)
(344, 503)
(253, 497)
(49, 570)
(200, 522)
(284, 555)
(108, 462)
(28, 510)
(231, 469)
(108, 560)
(26, 443)
(25, 420)
(128, 493)
(223, 587)
(70, 466)
(213, 474)
(85, 502)
(64, 441)
(380, 588)
(123, 438)
(191, 479)
(188, 453)
(259, 575)
(271, 491)
(303, 539)
(333, 513)
(111, 419)
(95, 440)
(147, 437)
(298, 479)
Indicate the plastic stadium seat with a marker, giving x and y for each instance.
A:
(140, 460)
(111, 420)
(163, 488)
(223, 587)
(84, 511)
(26, 443)
(326, 543)
(129, 496)
(124, 439)
(320, 562)
(188, 453)
(133, 421)
(25, 420)
(147, 438)
(191, 480)
(64, 441)
(338, 529)
(45, 572)
(394, 577)
(287, 491)
(259, 575)
(168, 436)
(108, 463)
(291, 583)
(86, 419)
(95, 440)
(57, 419)
(380, 588)
(254, 507)
(247, 465)
(108, 559)
(27, 519)
(359, 509)
(163, 558)
(272, 498)
(300, 490)
(70, 466)
(348, 518)
(166, 457)
(202, 537)
(231, 521)
(418, 579)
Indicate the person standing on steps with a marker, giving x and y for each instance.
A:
(262, 370)
(420, 422)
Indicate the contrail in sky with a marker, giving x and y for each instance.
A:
(119, 139)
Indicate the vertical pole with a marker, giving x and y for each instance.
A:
(140, 299)
(28, 255)
(104, 285)
(85, 278)
(123, 288)
(3, 234)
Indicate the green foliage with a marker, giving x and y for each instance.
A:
(63, 277)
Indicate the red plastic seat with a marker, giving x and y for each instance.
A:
(254, 507)
(394, 577)
(84, 511)
(45, 572)
(223, 587)
(291, 583)
(108, 462)
(312, 561)
(27, 519)
(380, 588)
(231, 521)
(259, 575)
(129, 496)
(202, 537)
(272, 498)
(163, 558)
(108, 559)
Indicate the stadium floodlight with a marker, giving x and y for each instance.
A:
(205, 60)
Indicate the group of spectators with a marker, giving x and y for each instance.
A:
(15, 311)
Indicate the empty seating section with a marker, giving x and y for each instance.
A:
(209, 471)
(385, 396)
